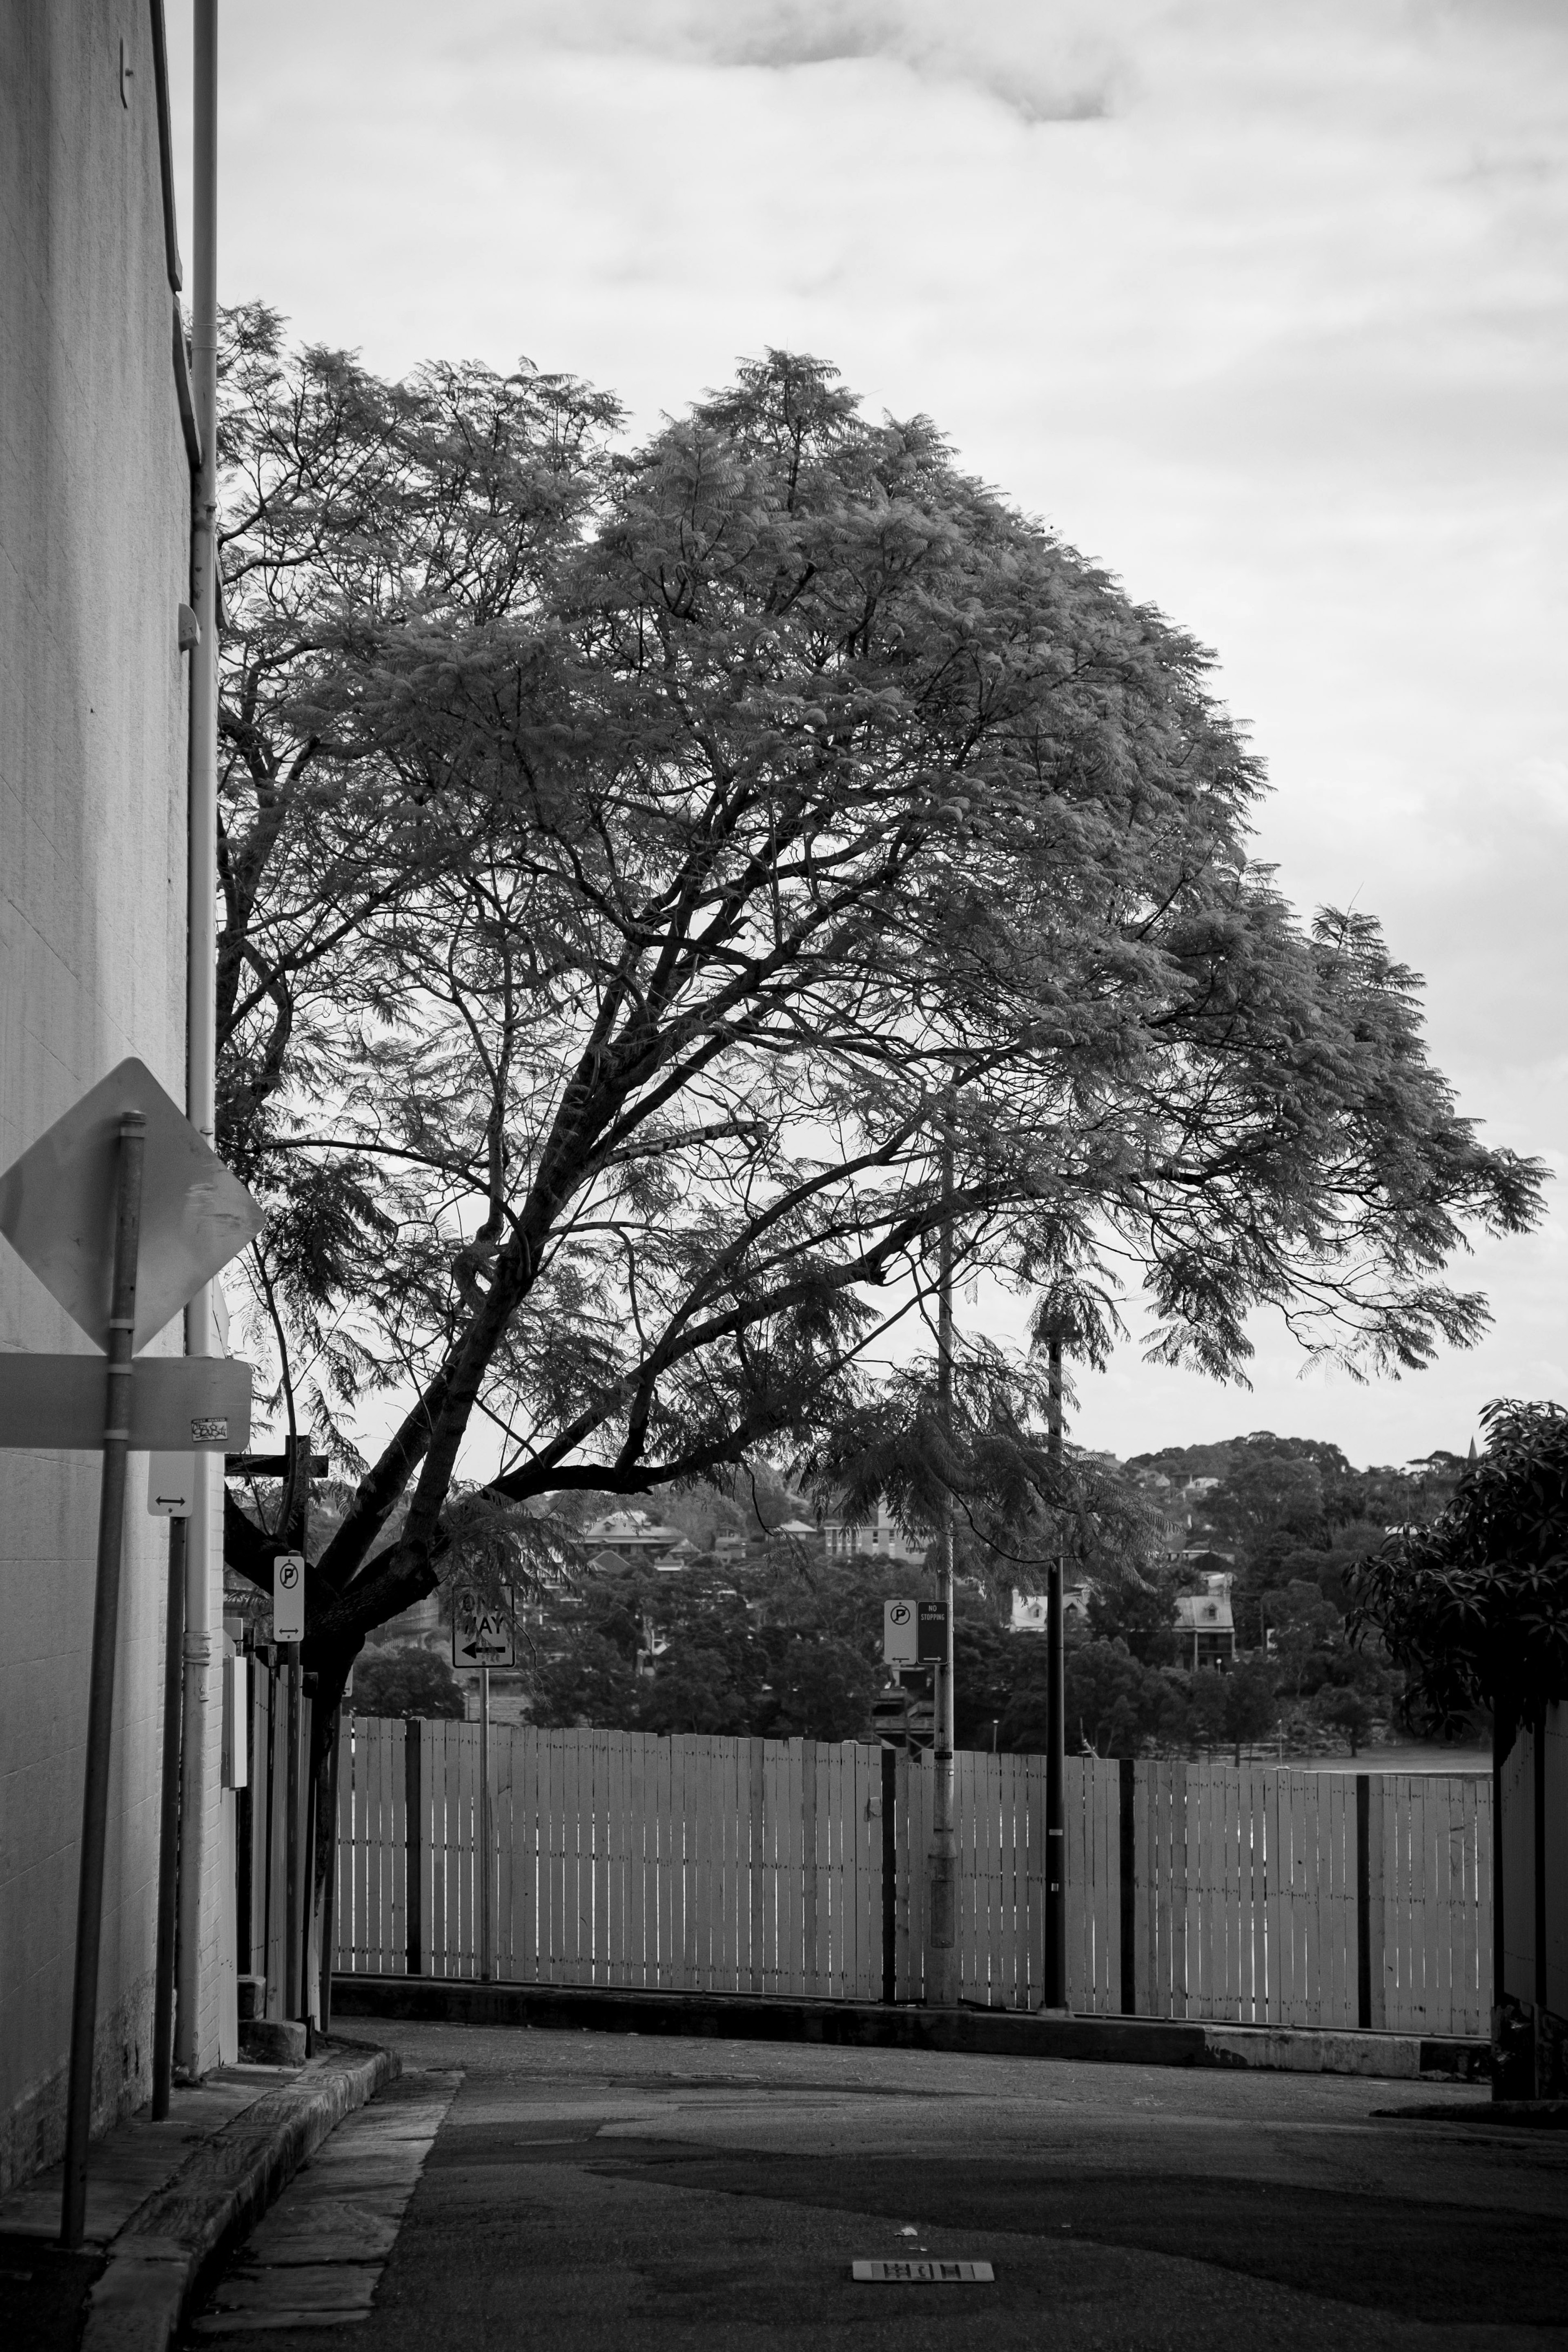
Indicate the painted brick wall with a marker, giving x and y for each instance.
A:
(94, 557)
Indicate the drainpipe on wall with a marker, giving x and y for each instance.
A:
(201, 1013)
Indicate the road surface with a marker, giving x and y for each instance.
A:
(589, 2192)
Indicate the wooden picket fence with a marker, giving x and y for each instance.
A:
(1250, 1895)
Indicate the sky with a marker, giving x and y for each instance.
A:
(1262, 304)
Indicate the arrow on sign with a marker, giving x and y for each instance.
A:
(481, 1636)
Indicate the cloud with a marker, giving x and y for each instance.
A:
(1262, 302)
(1047, 62)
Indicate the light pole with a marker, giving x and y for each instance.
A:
(942, 1934)
(1055, 1756)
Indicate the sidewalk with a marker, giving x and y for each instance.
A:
(163, 2199)
(868, 2025)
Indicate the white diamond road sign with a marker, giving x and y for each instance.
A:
(56, 1206)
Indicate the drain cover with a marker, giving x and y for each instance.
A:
(925, 2274)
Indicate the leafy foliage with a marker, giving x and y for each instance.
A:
(406, 1682)
(631, 862)
(1475, 1607)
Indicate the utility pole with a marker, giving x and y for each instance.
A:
(941, 1944)
(1055, 1754)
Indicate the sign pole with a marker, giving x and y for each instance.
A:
(291, 1977)
(100, 1688)
(485, 1837)
(169, 1830)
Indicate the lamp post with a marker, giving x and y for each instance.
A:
(1055, 1756)
(942, 1934)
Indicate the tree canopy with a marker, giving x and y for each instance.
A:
(1475, 1607)
(637, 866)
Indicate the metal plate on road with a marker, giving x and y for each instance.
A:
(177, 1403)
(481, 1633)
(56, 1206)
(924, 2273)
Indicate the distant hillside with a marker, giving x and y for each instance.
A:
(1220, 1459)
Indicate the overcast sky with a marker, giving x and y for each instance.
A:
(1261, 303)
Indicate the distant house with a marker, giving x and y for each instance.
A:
(878, 1538)
(1030, 1609)
(1205, 1624)
(632, 1534)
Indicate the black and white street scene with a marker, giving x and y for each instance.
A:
(783, 1381)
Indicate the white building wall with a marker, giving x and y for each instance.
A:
(94, 561)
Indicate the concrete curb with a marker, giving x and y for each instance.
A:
(172, 2241)
(1012, 2033)
(1526, 2114)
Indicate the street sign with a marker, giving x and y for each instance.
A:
(289, 1597)
(898, 1634)
(171, 1484)
(178, 1404)
(932, 1649)
(56, 1206)
(481, 1634)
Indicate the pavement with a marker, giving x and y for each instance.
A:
(166, 2199)
(1003, 2032)
(585, 2191)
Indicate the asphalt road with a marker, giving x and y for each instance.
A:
(601, 2193)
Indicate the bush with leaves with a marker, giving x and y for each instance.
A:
(1475, 1607)
(407, 1682)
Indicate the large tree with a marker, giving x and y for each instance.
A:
(702, 843)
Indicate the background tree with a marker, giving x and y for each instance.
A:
(1475, 1607)
(1250, 1706)
(405, 1682)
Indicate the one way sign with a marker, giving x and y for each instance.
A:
(481, 1636)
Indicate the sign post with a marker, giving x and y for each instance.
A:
(483, 1637)
(121, 1325)
(289, 1631)
(122, 1211)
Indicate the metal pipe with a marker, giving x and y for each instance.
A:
(293, 1980)
(100, 1682)
(201, 999)
(1056, 1740)
(942, 1954)
(330, 1893)
(169, 1830)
